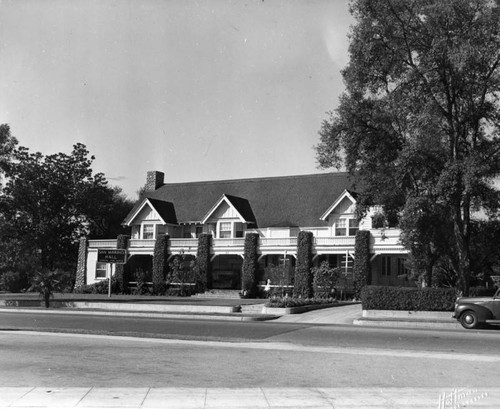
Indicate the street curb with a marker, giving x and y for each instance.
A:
(151, 314)
(395, 323)
(300, 310)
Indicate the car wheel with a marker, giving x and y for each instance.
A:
(469, 320)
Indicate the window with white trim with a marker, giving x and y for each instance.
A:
(225, 230)
(100, 270)
(148, 231)
(341, 227)
(353, 227)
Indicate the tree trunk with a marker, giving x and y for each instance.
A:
(462, 234)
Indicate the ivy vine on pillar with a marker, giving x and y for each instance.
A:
(303, 284)
(362, 268)
(160, 265)
(250, 266)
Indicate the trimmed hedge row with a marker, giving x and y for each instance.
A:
(286, 302)
(407, 298)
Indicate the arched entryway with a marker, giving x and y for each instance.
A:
(226, 272)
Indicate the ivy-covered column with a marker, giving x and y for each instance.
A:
(250, 265)
(202, 267)
(303, 287)
(160, 264)
(121, 243)
(362, 268)
(81, 267)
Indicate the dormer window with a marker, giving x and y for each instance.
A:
(341, 227)
(148, 231)
(353, 227)
(346, 227)
(225, 230)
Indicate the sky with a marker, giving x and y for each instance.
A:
(200, 90)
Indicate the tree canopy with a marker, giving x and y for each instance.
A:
(419, 120)
(48, 203)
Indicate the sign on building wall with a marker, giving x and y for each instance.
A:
(112, 256)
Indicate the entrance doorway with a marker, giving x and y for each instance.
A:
(226, 272)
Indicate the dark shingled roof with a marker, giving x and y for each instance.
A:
(271, 202)
(243, 207)
(166, 210)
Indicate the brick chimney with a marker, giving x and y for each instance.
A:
(154, 180)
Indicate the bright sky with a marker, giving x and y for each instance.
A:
(201, 90)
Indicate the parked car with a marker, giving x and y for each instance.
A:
(473, 312)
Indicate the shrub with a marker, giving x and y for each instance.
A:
(378, 220)
(13, 282)
(361, 268)
(185, 291)
(288, 302)
(481, 291)
(100, 287)
(181, 272)
(407, 298)
(250, 266)
(47, 282)
(160, 265)
(303, 277)
(141, 280)
(325, 279)
(281, 277)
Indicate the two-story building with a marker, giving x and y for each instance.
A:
(277, 208)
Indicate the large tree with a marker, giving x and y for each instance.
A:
(7, 145)
(49, 202)
(420, 115)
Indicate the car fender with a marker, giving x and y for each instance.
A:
(483, 313)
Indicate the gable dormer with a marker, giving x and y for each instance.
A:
(341, 215)
(229, 217)
(150, 218)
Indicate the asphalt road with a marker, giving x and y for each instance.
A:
(459, 341)
(238, 354)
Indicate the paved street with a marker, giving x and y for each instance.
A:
(75, 370)
(212, 363)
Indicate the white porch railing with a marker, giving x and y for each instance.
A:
(103, 244)
(134, 243)
(380, 241)
(183, 243)
(386, 240)
(335, 241)
(277, 241)
(233, 242)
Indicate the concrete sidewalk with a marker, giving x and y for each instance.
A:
(247, 398)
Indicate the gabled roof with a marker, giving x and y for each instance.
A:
(291, 201)
(240, 205)
(346, 193)
(165, 210)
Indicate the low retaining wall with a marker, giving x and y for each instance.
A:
(124, 306)
(418, 315)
